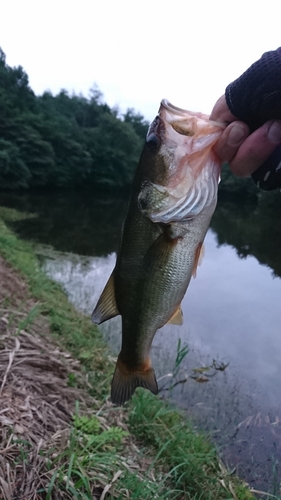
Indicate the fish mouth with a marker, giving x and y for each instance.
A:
(183, 121)
(174, 116)
(171, 108)
(186, 122)
(188, 175)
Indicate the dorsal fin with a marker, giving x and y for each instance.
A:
(177, 318)
(106, 307)
(199, 254)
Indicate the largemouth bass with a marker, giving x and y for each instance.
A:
(173, 197)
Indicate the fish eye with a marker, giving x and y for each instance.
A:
(153, 139)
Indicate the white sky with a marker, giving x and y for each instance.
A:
(139, 51)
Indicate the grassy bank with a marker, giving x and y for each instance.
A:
(83, 448)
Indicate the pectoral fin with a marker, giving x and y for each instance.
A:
(106, 307)
(177, 318)
(199, 254)
(158, 255)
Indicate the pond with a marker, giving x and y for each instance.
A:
(229, 378)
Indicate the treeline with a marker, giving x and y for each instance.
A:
(63, 140)
(70, 141)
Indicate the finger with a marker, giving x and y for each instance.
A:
(231, 139)
(221, 112)
(256, 149)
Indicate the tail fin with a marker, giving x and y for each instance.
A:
(125, 381)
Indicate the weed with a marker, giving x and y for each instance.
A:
(182, 351)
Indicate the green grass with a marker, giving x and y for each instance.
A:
(191, 458)
(182, 462)
(89, 457)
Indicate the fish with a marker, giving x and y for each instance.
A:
(173, 197)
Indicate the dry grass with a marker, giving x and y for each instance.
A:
(36, 402)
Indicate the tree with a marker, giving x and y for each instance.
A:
(137, 121)
(14, 173)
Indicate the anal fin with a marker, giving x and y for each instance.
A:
(106, 307)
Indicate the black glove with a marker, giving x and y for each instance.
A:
(254, 98)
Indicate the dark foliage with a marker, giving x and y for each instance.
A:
(63, 140)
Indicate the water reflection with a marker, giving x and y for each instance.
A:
(82, 223)
(89, 224)
(251, 229)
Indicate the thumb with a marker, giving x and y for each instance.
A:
(221, 112)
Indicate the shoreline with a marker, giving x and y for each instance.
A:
(165, 457)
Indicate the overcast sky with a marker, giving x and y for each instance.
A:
(138, 51)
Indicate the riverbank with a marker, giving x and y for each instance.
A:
(60, 436)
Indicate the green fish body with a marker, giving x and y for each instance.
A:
(162, 236)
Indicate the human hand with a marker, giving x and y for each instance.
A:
(244, 151)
